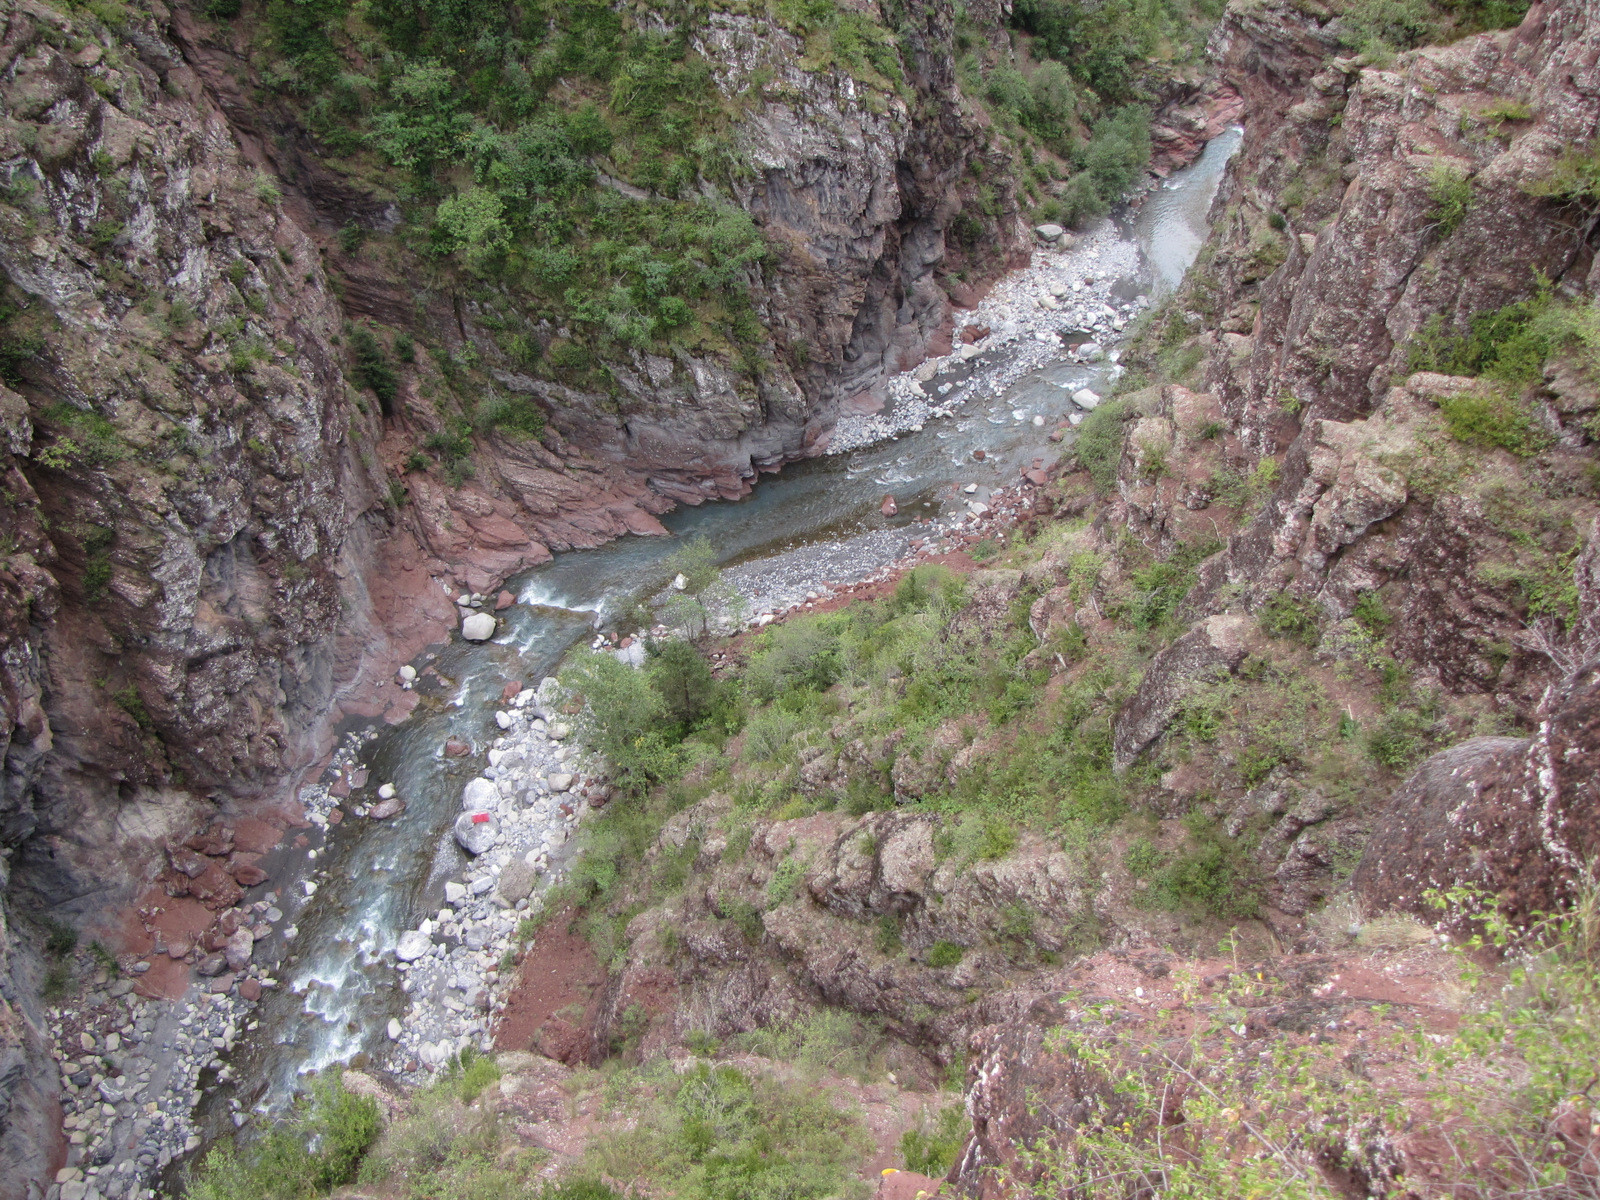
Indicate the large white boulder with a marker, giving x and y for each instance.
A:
(478, 627)
(413, 945)
(476, 832)
(480, 795)
(1084, 398)
(558, 781)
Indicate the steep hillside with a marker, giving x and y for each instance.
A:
(1158, 797)
(1294, 657)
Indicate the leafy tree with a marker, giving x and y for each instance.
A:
(371, 367)
(683, 681)
(424, 125)
(471, 224)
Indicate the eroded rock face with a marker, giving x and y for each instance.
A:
(1518, 818)
(1213, 648)
(1328, 259)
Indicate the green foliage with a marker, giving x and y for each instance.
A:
(471, 224)
(371, 367)
(94, 440)
(1410, 724)
(624, 720)
(830, 1039)
(1099, 445)
(785, 882)
(1493, 420)
(717, 1133)
(1290, 617)
(1045, 103)
(1106, 46)
(314, 1151)
(800, 654)
(445, 1145)
(131, 702)
(492, 114)
(1370, 613)
(944, 954)
(1501, 1085)
(1379, 26)
(696, 561)
(886, 936)
(844, 40)
(1209, 873)
(931, 1148)
(60, 939)
(516, 416)
(683, 680)
(1507, 344)
(1450, 194)
(102, 235)
(469, 1073)
(1574, 178)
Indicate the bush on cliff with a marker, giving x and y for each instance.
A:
(318, 1148)
(718, 1133)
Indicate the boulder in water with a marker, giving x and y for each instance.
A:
(478, 627)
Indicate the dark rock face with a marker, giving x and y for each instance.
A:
(1213, 647)
(1519, 818)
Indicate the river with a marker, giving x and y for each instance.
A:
(376, 879)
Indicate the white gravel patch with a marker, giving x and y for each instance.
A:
(1061, 291)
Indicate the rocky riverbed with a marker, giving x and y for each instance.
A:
(517, 818)
(1066, 299)
(131, 1071)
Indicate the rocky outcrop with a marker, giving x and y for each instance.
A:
(1327, 260)
(1214, 647)
(1517, 818)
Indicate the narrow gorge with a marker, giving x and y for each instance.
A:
(799, 600)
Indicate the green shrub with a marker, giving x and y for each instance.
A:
(886, 936)
(1493, 420)
(1375, 26)
(1290, 617)
(371, 368)
(60, 939)
(1098, 447)
(1370, 613)
(944, 954)
(683, 680)
(1574, 178)
(1396, 742)
(931, 1148)
(1450, 194)
(717, 1133)
(320, 1147)
(785, 882)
